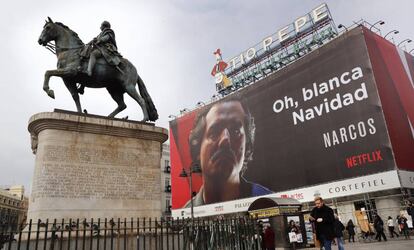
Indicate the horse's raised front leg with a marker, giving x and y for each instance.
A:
(55, 72)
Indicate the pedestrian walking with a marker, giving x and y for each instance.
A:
(269, 238)
(350, 227)
(323, 218)
(402, 222)
(410, 211)
(391, 227)
(379, 228)
(338, 229)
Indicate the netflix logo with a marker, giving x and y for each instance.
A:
(363, 159)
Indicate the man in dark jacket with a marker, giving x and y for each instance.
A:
(379, 227)
(410, 211)
(323, 217)
(269, 238)
(339, 228)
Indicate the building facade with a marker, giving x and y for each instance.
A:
(165, 181)
(336, 123)
(13, 207)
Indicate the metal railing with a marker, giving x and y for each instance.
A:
(146, 233)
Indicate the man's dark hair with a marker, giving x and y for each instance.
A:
(199, 127)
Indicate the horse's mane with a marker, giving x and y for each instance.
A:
(71, 31)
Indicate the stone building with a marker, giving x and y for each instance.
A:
(13, 207)
(165, 181)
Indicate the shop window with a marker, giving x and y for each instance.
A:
(368, 206)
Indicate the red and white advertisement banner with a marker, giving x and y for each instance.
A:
(393, 72)
(318, 121)
(365, 184)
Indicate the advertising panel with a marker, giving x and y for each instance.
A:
(319, 120)
(394, 71)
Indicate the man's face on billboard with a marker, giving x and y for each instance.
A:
(223, 144)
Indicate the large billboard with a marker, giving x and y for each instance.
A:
(394, 72)
(318, 120)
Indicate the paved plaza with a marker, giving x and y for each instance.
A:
(394, 244)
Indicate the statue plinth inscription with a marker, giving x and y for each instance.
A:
(94, 167)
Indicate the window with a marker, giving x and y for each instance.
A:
(367, 205)
(167, 204)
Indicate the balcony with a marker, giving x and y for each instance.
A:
(167, 210)
(167, 169)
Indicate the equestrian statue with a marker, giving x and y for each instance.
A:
(97, 64)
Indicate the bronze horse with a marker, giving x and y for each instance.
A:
(116, 80)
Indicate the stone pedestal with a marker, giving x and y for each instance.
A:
(94, 167)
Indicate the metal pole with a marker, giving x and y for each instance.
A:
(192, 210)
(191, 195)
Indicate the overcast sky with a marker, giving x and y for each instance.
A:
(170, 42)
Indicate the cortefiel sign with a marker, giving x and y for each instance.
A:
(372, 183)
(318, 121)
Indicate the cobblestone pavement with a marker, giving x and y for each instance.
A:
(393, 244)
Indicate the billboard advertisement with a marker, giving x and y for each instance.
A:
(316, 121)
(394, 71)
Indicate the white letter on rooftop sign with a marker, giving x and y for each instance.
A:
(267, 42)
(320, 13)
(250, 54)
(283, 35)
(300, 22)
(233, 63)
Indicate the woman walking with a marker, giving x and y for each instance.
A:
(350, 227)
(390, 224)
(402, 221)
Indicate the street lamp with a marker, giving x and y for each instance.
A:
(403, 41)
(380, 22)
(395, 32)
(172, 116)
(340, 26)
(194, 169)
(184, 110)
(200, 103)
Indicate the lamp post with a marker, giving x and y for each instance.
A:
(395, 32)
(194, 169)
(340, 26)
(403, 41)
(184, 110)
(200, 104)
(380, 22)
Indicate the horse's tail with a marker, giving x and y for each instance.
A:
(152, 111)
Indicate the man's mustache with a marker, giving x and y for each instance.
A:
(226, 152)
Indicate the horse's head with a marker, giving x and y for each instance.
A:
(49, 32)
